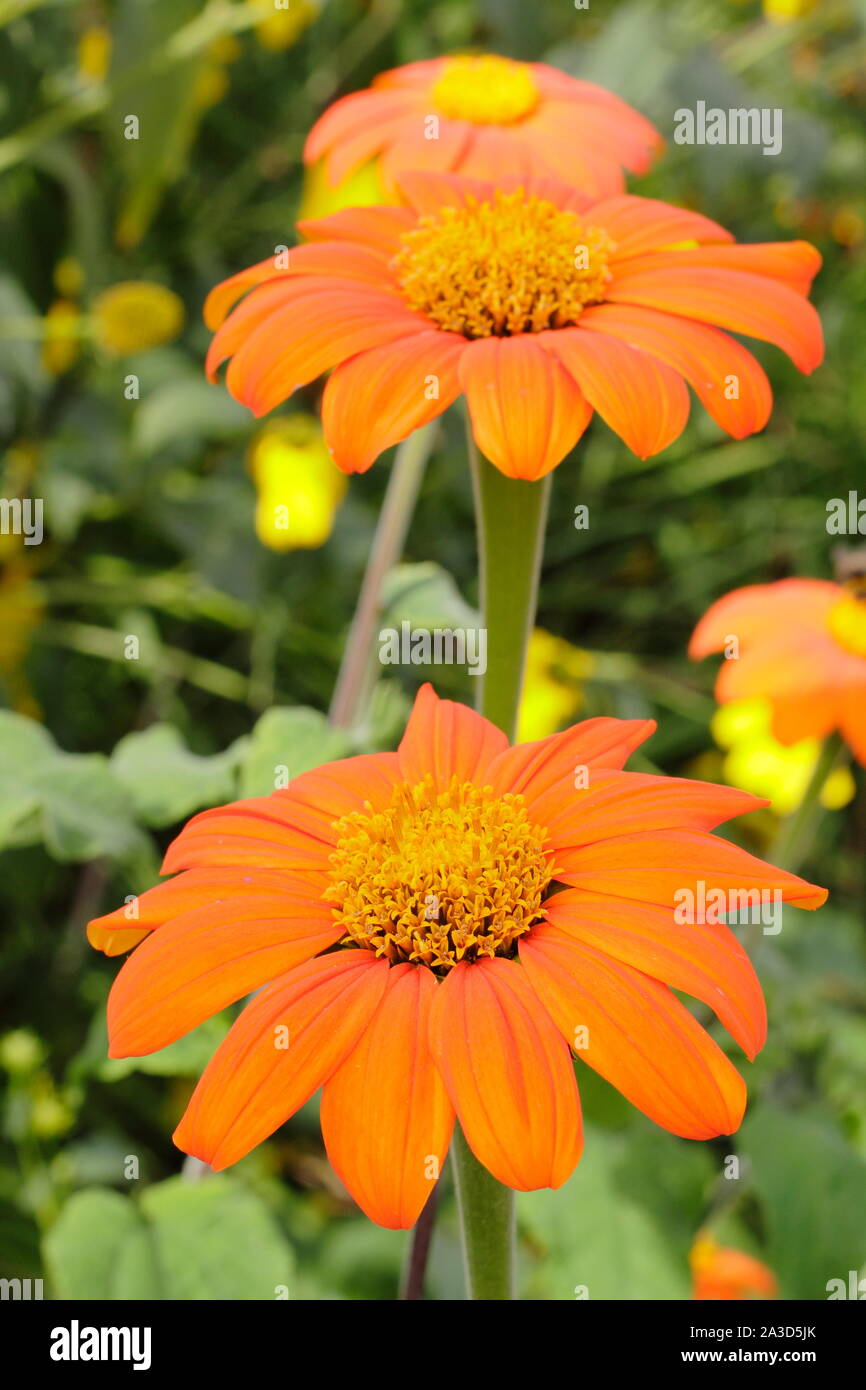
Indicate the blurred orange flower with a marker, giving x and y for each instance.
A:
(486, 116)
(423, 966)
(799, 643)
(538, 304)
(719, 1272)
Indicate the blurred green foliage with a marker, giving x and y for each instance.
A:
(149, 531)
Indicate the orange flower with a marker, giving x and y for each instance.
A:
(403, 905)
(537, 304)
(489, 117)
(801, 644)
(722, 1273)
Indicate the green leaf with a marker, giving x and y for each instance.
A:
(98, 1249)
(811, 1186)
(184, 409)
(211, 1239)
(607, 1229)
(425, 596)
(285, 743)
(70, 802)
(167, 782)
(214, 1239)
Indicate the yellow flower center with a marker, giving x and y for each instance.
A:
(486, 90)
(515, 264)
(847, 622)
(439, 877)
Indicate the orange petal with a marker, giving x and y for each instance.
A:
(550, 765)
(527, 413)
(379, 397)
(644, 401)
(118, 931)
(348, 784)
(807, 714)
(287, 1042)
(254, 311)
(386, 1118)
(636, 1034)
(759, 608)
(609, 137)
(555, 148)
(709, 360)
(792, 263)
(208, 958)
(795, 663)
(630, 803)
(732, 299)
(853, 717)
(508, 1074)
(410, 150)
(707, 962)
(428, 192)
(645, 224)
(496, 153)
(311, 334)
(445, 739)
(355, 128)
(657, 867)
(377, 228)
(291, 829)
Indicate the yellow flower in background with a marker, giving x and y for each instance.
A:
(360, 189)
(212, 80)
(21, 1052)
(848, 226)
(299, 486)
(61, 345)
(210, 86)
(21, 611)
(283, 21)
(226, 49)
(784, 11)
(552, 685)
(136, 315)
(756, 762)
(94, 53)
(68, 277)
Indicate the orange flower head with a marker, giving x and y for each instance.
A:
(721, 1273)
(801, 645)
(487, 117)
(535, 302)
(439, 927)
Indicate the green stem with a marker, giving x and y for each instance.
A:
(511, 518)
(487, 1220)
(795, 831)
(353, 681)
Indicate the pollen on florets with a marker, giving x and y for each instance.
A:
(486, 90)
(511, 264)
(439, 877)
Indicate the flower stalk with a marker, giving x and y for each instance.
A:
(796, 831)
(511, 518)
